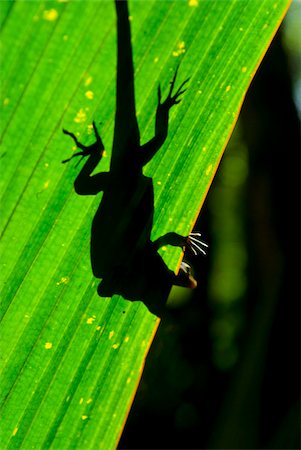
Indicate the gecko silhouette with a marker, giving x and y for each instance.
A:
(122, 253)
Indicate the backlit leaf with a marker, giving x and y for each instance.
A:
(71, 361)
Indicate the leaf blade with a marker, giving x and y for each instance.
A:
(54, 327)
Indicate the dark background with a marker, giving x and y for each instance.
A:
(223, 371)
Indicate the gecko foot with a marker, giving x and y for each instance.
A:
(194, 243)
(185, 278)
(85, 150)
(172, 99)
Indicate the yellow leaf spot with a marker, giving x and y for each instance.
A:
(46, 184)
(48, 345)
(90, 320)
(209, 168)
(6, 101)
(156, 59)
(111, 334)
(15, 431)
(50, 15)
(180, 49)
(159, 183)
(193, 2)
(65, 37)
(81, 116)
(84, 417)
(89, 401)
(98, 328)
(204, 149)
(244, 69)
(89, 95)
(81, 401)
(128, 380)
(126, 339)
(90, 129)
(115, 346)
(228, 88)
(88, 80)
(63, 280)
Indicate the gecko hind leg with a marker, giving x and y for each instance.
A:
(185, 277)
(191, 242)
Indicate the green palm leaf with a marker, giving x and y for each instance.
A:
(71, 361)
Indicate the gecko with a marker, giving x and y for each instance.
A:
(123, 256)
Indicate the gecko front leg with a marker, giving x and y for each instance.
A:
(148, 150)
(97, 146)
(85, 184)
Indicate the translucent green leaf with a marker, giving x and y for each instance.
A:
(71, 361)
